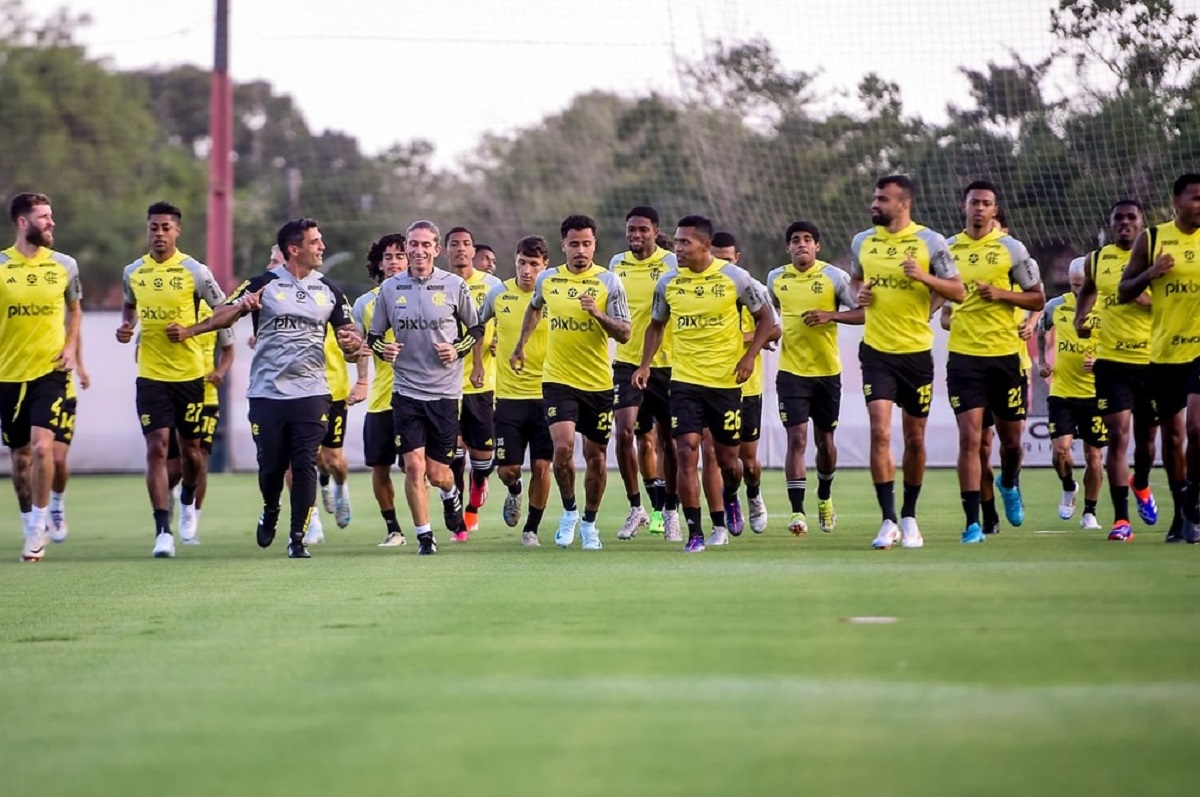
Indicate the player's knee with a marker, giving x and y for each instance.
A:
(914, 440)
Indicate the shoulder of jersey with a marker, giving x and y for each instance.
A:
(616, 260)
(493, 281)
(63, 259)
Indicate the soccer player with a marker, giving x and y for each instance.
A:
(292, 306)
(40, 316)
(813, 297)
(520, 417)
(701, 298)
(435, 324)
(386, 258)
(1122, 366)
(983, 370)
(644, 416)
(585, 305)
(1073, 407)
(485, 259)
(897, 267)
(163, 288)
(1166, 259)
(479, 381)
(64, 432)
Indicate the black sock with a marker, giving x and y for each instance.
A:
(1089, 507)
(1177, 492)
(729, 496)
(911, 493)
(1068, 482)
(534, 518)
(162, 522)
(970, 502)
(753, 490)
(824, 486)
(1006, 481)
(1120, 500)
(187, 494)
(1141, 481)
(885, 494)
(389, 519)
(457, 467)
(589, 516)
(691, 515)
(990, 516)
(717, 518)
(515, 488)
(635, 499)
(1191, 502)
(795, 491)
(323, 478)
(569, 505)
(671, 502)
(658, 496)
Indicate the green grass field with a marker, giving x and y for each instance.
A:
(1033, 664)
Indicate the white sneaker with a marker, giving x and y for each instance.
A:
(1066, 505)
(889, 535)
(35, 546)
(327, 496)
(164, 546)
(1089, 522)
(529, 539)
(315, 533)
(341, 507)
(910, 535)
(636, 519)
(590, 536)
(394, 539)
(566, 529)
(671, 530)
(188, 523)
(57, 525)
(758, 515)
(719, 536)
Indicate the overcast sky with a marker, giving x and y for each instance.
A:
(448, 71)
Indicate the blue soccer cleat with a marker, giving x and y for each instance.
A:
(1014, 507)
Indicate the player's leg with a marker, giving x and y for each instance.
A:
(826, 408)
(987, 477)
(1191, 506)
(795, 402)
(970, 433)
(723, 419)
(562, 414)
(211, 419)
(668, 457)
(751, 467)
(17, 433)
(710, 479)
(650, 467)
(595, 426)
(1006, 387)
(478, 434)
(879, 389)
(1061, 439)
(626, 410)
(332, 468)
(658, 455)
(379, 454)
(272, 443)
(1168, 383)
(915, 396)
(1145, 433)
(441, 420)
(188, 400)
(1093, 432)
(308, 424)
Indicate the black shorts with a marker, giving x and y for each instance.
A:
(1170, 384)
(335, 427)
(989, 383)
(64, 423)
(1124, 386)
(431, 425)
(24, 405)
(695, 408)
(170, 405)
(1077, 417)
(803, 396)
(479, 421)
(379, 441)
(751, 418)
(653, 403)
(904, 379)
(521, 423)
(590, 411)
(287, 432)
(210, 419)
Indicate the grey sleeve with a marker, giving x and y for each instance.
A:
(618, 303)
(468, 314)
(941, 262)
(751, 293)
(224, 337)
(488, 311)
(772, 275)
(537, 301)
(856, 270)
(660, 311)
(126, 288)
(206, 285)
(841, 287)
(615, 261)
(380, 321)
(1025, 271)
(1047, 322)
(670, 261)
(74, 290)
(359, 312)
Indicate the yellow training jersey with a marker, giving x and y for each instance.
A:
(170, 293)
(639, 277)
(337, 371)
(576, 344)
(897, 320)
(1174, 334)
(379, 394)
(506, 304)
(703, 310)
(1124, 328)
(982, 328)
(34, 292)
(1020, 315)
(805, 350)
(1069, 379)
(480, 284)
(754, 385)
(208, 350)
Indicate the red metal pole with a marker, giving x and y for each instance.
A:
(220, 157)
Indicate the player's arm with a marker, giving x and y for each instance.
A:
(225, 356)
(341, 320)
(470, 330)
(381, 322)
(85, 381)
(942, 277)
(845, 296)
(1087, 296)
(754, 297)
(1046, 341)
(614, 318)
(660, 313)
(860, 289)
(1025, 274)
(1139, 271)
(945, 316)
(246, 299)
(533, 317)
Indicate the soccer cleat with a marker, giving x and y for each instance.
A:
(758, 515)
(426, 544)
(529, 539)
(1089, 522)
(671, 529)
(452, 512)
(719, 536)
(58, 525)
(992, 528)
(1146, 505)
(164, 546)
(267, 521)
(394, 539)
(889, 535)
(471, 520)
(1191, 533)
(798, 525)
(1121, 532)
(35, 546)
(1014, 507)
(973, 534)
(315, 534)
(479, 493)
(635, 520)
(566, 529)
(512, 509)
(327, 497)
(657, 523)
(910, 535)
(694, 545)
(189, 523)
(462, 535)
(298, 550)
(733, 517)
(341, 507)
(589, 535)
(826, 516)
(1066, 504)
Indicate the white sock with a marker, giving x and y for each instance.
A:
(27, 520)
(37, 518)
(425, 529)
(57, 501)
(341, 490)
(448, 494)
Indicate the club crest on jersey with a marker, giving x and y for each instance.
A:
(438, 299)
